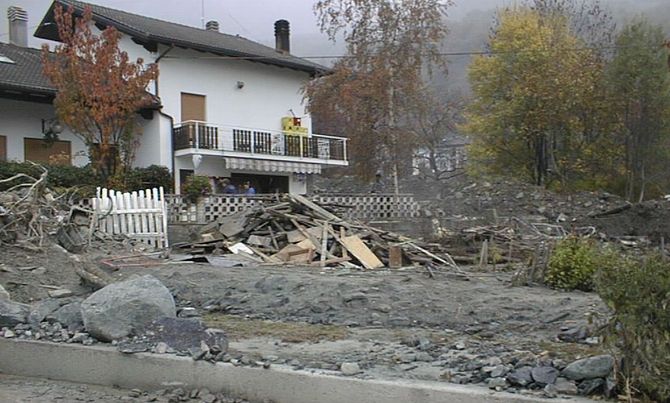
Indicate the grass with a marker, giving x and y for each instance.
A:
(571, 351)
(237, 328)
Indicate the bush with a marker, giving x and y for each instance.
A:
(153, 176)
(60, 176)
(196, 187)
(639, 295)
(572, 264)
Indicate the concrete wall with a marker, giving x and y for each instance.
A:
(21, 119)
(155, 142)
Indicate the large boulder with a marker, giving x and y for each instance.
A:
(589, 368)
(69, 316)
(12, 313)
(125, 308)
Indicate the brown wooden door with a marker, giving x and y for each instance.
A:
(3, 148)
(193, 107)
(37, 150)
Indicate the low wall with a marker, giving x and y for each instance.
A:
(106, 366)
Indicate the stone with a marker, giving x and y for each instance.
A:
(573, 334)
(544, 375)
(498, 371)
(188, 313)
(590, 386)
(13, 313)
(161, 348)
(589, 368)
(565, 386)
(60, 293)
(497, 383)
(123, 309)
(4, 295)
(69, 316)
(9, 334)
(350, 368)
(550, 391)
(41, 309)
(521, 376)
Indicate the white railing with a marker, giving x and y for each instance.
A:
(194, 134)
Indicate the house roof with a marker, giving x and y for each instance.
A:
(21, 71)
(150, 32)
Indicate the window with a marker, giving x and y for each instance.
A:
(57, 152)
(193, 107)
(3, 148)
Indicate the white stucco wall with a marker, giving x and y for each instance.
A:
(268, 94)
(21, 119)
(155, 143)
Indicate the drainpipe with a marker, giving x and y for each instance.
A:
(171, 148)
(158, 59)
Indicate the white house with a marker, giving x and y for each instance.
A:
(229, 107)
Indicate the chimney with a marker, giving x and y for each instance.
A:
(18, 26)
(282, 42)
(212, 26)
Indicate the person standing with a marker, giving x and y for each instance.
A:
(249, 189)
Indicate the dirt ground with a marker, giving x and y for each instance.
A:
(393, 323)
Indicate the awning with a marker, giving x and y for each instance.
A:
(272, 166)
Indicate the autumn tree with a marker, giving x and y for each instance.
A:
(538, 107)
(99, 90)
(640, 91)
(389, 42)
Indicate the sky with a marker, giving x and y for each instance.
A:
(252, 19)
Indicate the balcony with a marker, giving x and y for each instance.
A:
(205, 138)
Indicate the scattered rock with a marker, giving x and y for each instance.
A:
(188, 312)
(550, 391)
(12, 313)
(60, 293)
(41, 309)
(544, 375)
(589, 368)
(69, 315)
(591, 386)
(4, 295)
(497, 384)
(565, 386)
(521, 376)
(573, 334)
(350, 368)
(124, 308)
(9, 334)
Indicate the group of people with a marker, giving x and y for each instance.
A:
(225, 186)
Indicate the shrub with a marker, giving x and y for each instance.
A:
(572, 264)
(60, 176)
(153, 176)
(196, 187)
(639, 295)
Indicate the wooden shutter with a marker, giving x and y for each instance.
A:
(192, 107)
(3, 148)
(37, 150)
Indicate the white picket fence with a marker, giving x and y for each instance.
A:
(139, 215)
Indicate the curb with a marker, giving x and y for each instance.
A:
(106, 366)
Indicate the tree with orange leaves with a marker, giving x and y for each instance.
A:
(99, 90)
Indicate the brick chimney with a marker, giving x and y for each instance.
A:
(212, 26)
(282, 37)
(18, 26)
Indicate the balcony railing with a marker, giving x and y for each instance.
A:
(201, 135)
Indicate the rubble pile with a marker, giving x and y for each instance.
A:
(294, 230)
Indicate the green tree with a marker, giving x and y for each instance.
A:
(538, 109)
(640, 91)
(389, 43)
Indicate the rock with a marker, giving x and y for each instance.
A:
(573, 334)
(12, 313)
(4, 295)
(498, 371)
(188, 313)
(60, 293)
(350, 368)
(497, 383)
(41, 309)
(69, 315)
(161, 348)
(589, 368)
(550, 391)
(544, 375)
(9, 334)
(124, 308)
(591, 386)
(521, 376)
(565, 386)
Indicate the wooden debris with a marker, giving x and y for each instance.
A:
(296, 230)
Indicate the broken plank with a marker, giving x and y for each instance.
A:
(325, 214)
(324, 243)
(361, 252)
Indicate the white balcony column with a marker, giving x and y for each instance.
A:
(197, 135)
(252, 141)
